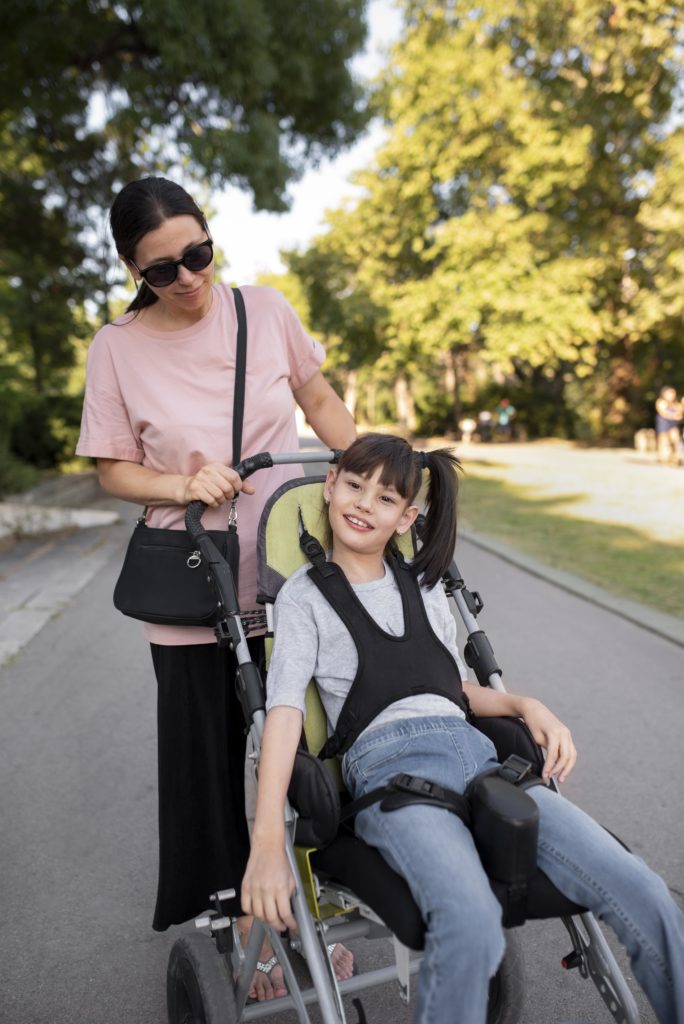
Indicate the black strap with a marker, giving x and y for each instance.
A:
(240, 372)
(312, 548)
(406, 789)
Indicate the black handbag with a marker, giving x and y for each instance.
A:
(163, 578)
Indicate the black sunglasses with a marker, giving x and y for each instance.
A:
(159, 275)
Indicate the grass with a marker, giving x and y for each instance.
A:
(623, 560)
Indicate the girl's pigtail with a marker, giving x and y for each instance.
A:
(439, 532)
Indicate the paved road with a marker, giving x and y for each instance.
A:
(77, 752)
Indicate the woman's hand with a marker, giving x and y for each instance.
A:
(549, 732)
(268, 884)
(214, 484)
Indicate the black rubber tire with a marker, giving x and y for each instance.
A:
(507, 987)
(199, 989)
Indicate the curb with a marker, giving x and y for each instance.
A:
(22, 520)
(668, 627)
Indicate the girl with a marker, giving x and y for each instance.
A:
(371, 497)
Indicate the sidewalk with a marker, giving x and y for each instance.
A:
(53, 541)
(611, 485)
(617, 486)
(58, 504)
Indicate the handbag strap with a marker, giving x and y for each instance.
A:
(240, 372)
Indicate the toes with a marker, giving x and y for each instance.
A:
(261, 989)
(278, 981)
(343, 962)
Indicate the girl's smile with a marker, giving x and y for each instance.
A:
(359, 524)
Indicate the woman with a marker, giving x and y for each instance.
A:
(158, 419)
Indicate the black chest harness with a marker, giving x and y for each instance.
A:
(503, 818)
(390, 667)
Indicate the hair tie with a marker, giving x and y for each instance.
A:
(422, 459)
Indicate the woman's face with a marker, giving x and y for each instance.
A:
(191, 291)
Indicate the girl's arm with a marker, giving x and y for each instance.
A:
(547, 730)
(213, 484)
(326, 412)
(268, 882)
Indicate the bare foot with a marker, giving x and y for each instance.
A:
(343, 961)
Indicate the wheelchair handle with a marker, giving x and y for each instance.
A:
(245, 468)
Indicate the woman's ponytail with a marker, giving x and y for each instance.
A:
(144, 296)
(439, 531)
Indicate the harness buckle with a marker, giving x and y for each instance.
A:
(516, 769)
(418, 787)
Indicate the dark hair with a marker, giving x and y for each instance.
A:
(143, 206)
(402, 468)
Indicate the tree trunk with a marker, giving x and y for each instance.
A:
(454, 378)
(350, 392)
(406, 409)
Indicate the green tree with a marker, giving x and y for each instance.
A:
(95, 93)
(501, 222)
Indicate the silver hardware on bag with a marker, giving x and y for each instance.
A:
(194, 560)
(232, 515)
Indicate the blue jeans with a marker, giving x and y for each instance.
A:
(434, 851)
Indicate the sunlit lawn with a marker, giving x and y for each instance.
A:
(622, 559)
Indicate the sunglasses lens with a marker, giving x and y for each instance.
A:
(199, 258)
(161, 275)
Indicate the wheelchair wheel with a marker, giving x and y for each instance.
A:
(506, 989)
(198, 984)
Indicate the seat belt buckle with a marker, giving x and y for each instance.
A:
(410, 784)
(516, 769)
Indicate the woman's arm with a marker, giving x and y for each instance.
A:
(268, 882)
(326, 412)
(547, 730)
(212, 484)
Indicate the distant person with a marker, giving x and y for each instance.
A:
(669, 415)
(484, 425)
(504, 415)
(467, 427)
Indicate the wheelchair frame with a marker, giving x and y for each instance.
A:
(208, 980)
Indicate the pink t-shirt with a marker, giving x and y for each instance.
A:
(165, 400)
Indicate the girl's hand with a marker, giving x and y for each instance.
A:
(214, 484)
(549, 732)
(267, 886)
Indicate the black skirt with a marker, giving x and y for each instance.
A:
(203, 837)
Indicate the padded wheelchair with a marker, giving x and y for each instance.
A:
(344, 888)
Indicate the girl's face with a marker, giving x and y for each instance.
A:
(365, 514)
(190, 293)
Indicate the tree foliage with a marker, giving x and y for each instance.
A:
(95, 92)
(523, 219)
